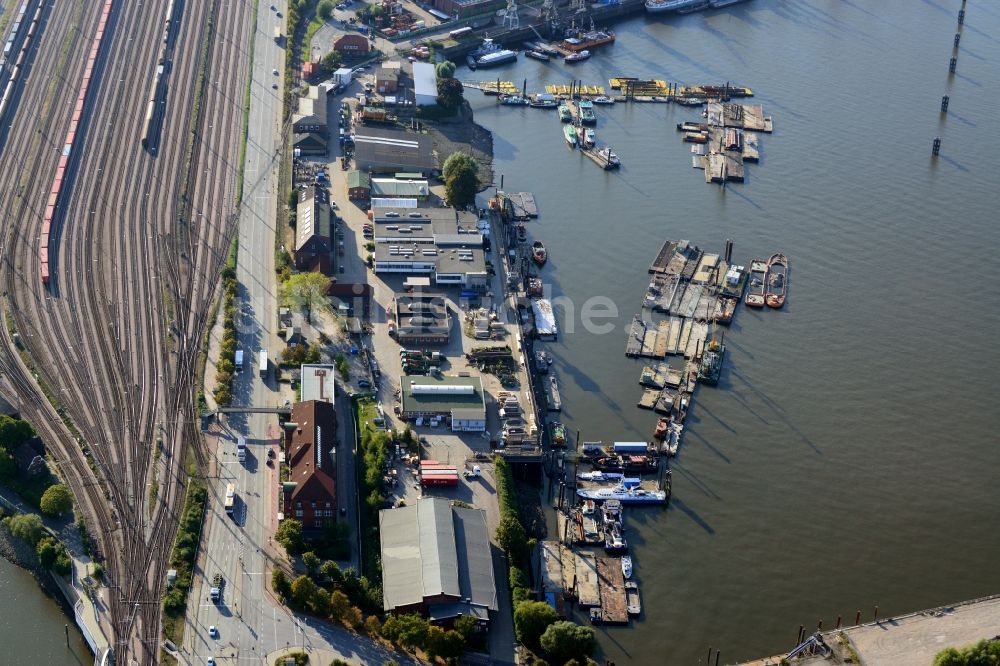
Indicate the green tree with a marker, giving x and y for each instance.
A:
(531, 619)
(56, 500)
(467, 626)
(303, 589)
(14, 432)
(511, 537)
(435, 636)
(307, 292)
(289, 535)
(983, 653)
(450, 94)
(565, 640)
(445, 644)
(339, 605)
(445, 70)
(330, 570)
(280, 584)
(325, 9)
(331, 62)
(27, 527)
(407, 630)
(311, 563)
(48, 550)
(461, 179)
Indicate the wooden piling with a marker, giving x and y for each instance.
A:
(935, 149)
(944, 103)
(857, 618)
(953, 65)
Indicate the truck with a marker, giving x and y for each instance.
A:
(241, 448)
(262, 363)
(215, 593)
(277, 34)
(230, 498)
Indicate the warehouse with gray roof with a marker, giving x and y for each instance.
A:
(436, 561)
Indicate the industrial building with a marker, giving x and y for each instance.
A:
(310, 116)
(424, 84)
(313, 245)
(310, 494)
(318, 382)
(422, 319)
(436, 561)
(398, 188)
(389, 150)
(459, 398)
(387, 78)
(359, 185)
(352, 45)
(461, 9)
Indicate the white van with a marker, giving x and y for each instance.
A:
(263, 364)
(239, 360)
(241, 448)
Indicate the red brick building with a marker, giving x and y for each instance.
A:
(310, 494)
(352, 45)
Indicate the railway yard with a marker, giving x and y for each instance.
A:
(118, 173)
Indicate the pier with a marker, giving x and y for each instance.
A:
(611, 584)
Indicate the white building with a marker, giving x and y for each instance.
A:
(424, 84)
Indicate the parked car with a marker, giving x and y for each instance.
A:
(213, 632)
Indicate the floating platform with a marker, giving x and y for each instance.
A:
(522, 204)
(567, 89)
(739, 116)
(588, 592)
(648, 399)
(611, 582)
(552, 398)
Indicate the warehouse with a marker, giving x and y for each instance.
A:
(310, 116)
(422, 319)
(436, 560)
(388, 151)
(424, 84)
(460, 399)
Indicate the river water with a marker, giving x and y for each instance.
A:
(32, 624)
(848, 457)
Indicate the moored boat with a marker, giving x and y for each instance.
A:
(489, 54)
(710, 368)
(558, 432)
(570, 133)
(777, 280)
(565, 115)
(757, 285)
(659, 6)
(587, 115)
(589, 138)
(632, 603)
(513, 100)
(543, 101)
(604, 100)
(577, 57)
(588, 40)
(537, 55)
(538, 253)
(599, 476)
(522, 233)
(627, 566)
(608, 159)
(623, 494)
(661, 428)
(614, 540)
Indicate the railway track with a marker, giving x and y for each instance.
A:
(117, 332)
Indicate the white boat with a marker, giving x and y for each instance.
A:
(577, 57)
(599, 476)
(658, 6)
(627, 566)
(589, 138)
(489, 54)
(624, 494)
(604, 100)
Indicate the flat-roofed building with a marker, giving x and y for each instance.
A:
(424, 84)
(436, 560)
(460, 399)
(318, 382)
(422, 319)
(378, 150)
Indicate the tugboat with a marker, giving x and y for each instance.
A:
(538, 253)
(661, 429)
(711, 362)
(758, 284)
(558, 431)
(777, 280)
(577, 57)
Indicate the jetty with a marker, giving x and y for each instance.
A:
(611, 584)
(588, 592)
(522, 205)
(728, 140)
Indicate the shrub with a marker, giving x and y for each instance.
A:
(565, 640)
(280, 583)
(27, 527)
(531, 619)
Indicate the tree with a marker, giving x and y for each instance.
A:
(372, 625)
(325, 9)
(280, 584)
(461, 179)
(450, 94)
(446, 644)
(56, 500)
(435, 636)
(47, 550)
(330, 570)
(14, 432)
(311, 563)
(307, 291)
(407, 630)
(445, 70)
(303, 590)
(531, 619)
(353, 617)
(27, 527)
(565, 640)
(467, 626)
(984, 652)
(331, 62)
(511, 537)
(339, 605)
(289, 535)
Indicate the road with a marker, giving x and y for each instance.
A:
(251, 623)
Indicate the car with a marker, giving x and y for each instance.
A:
(343, 511)
(211, 661)
(341, 269)
(364, 383)
(270, 453)
(213, 632)
(274, 71)
(273, 8)
(274, 85)
(278, 14)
